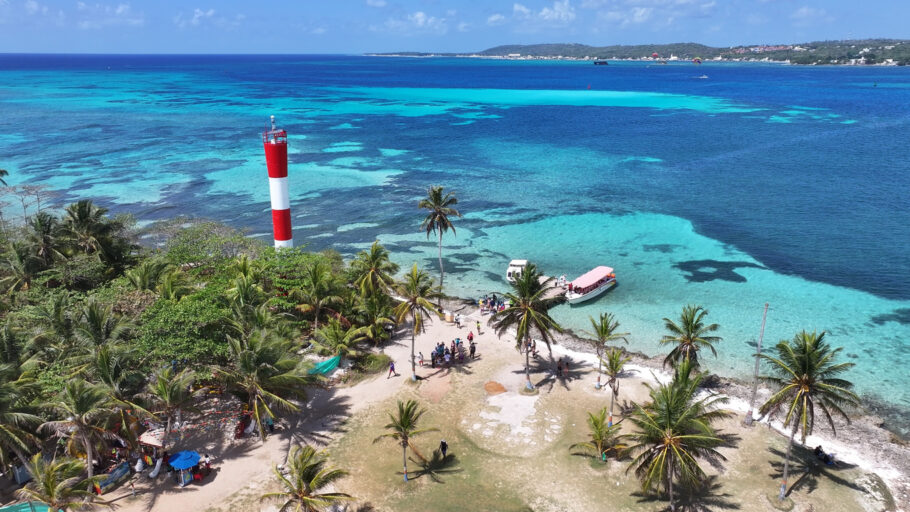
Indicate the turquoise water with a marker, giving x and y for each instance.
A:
(759, 184)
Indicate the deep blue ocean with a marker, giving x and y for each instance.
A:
(726, 185)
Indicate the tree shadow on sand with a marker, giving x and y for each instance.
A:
(435, 466)
(706, 497)
(810, 469)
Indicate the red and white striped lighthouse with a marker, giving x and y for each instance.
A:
(275, 142)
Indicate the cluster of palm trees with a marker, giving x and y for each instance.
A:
(675, 428)
(94, 246)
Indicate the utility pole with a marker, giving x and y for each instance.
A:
(748, 419)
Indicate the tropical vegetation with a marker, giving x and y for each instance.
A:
(306, 474)
(403, 426)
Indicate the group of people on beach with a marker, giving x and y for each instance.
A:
(491, 304)
(454, 353)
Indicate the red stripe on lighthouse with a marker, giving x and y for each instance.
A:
(281, 222)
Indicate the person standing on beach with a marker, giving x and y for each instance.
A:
(443, 447)
(478, 328)
(392, 369)
(473, 348)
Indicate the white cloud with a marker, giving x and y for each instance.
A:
(560, 12)
(805, 16)
(496, 19)
(32, 7)
(376, 3)
(318, 31)
(464, 27)
(416, 22)
(199, 16)
(521, 11)
(97, 16)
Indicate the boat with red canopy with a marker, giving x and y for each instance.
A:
(590, 284)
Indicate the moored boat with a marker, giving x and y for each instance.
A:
(516, 267)
(590, 285)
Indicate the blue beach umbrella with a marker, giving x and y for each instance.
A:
(183, 460)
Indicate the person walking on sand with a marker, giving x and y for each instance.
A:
(443, 447)
(392, 369)
(470, 336)
(478, 328)
(473, 348)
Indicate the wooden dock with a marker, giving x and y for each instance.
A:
(555, 290)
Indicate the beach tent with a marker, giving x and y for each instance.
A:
(183, 460)
(153, 437)
(326, 367)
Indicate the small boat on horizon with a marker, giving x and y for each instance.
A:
(590, 285)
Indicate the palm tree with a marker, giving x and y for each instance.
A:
(16, 417)
(614, 363)
(337, 340)
(98, 325)
(3, 173)
(173, 286)
(403, 427)
(604, 438)
(21, 266)
(244, 266)
(87, 227)
(674, 431)
(245, 292)
(147, 275)
(170, 394)
(307, 474)
(317, 293)
(266, 373)
(806, 376)
(59, 484)
(373, 314)
(84, 407)
(604, 331)
(689, 336)
(374, 270)
(55, 335)
(528, 312)
(437, 220)
(44, 238)
(417, 293)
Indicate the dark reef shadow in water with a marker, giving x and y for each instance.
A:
(703, 271)
(901, 316)
(664, 248)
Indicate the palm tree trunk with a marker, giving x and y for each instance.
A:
(599, 363)
(404, 460)
(167, 432)
(783, 483)
(442, 272)
(315, 320)
(89, 466)
(413, 360)
(528, 363)
(670, 486)
(22, 457)
(612, 397)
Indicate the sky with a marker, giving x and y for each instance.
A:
(359, 26)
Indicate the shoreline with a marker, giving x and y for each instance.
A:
(865, 441)
(536, 58)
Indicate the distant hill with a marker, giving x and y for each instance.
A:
(863, 51)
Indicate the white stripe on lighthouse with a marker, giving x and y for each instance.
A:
(278, 191)
(281, 244)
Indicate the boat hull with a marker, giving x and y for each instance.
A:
(574, 298)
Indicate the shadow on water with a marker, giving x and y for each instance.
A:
(703, 271)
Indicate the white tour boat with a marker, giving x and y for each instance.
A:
(516, 267)
(590, 285)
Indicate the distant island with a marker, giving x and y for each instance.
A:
(883, 52)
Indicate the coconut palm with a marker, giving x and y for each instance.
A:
(604, 438)
(169, 393)
(55, 334)
(317, 293)
(20, 266)
(335, 339)
(614, 364)
(147, 275)
(244, 266)
(87, 227)
(307, 474)
(3, 173)
(374, 270)
(603, 330)
(43, 236)
(17, 418)
(689, 336)
(59, 484)
(440, 209)
(373, 314)
(98, 325)
(807, 377)
(418, 295)
(266, 373)
(674, 431)
(173, 285)
(528, 313)
(85, 408)
(245, 292)
(403, 427)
